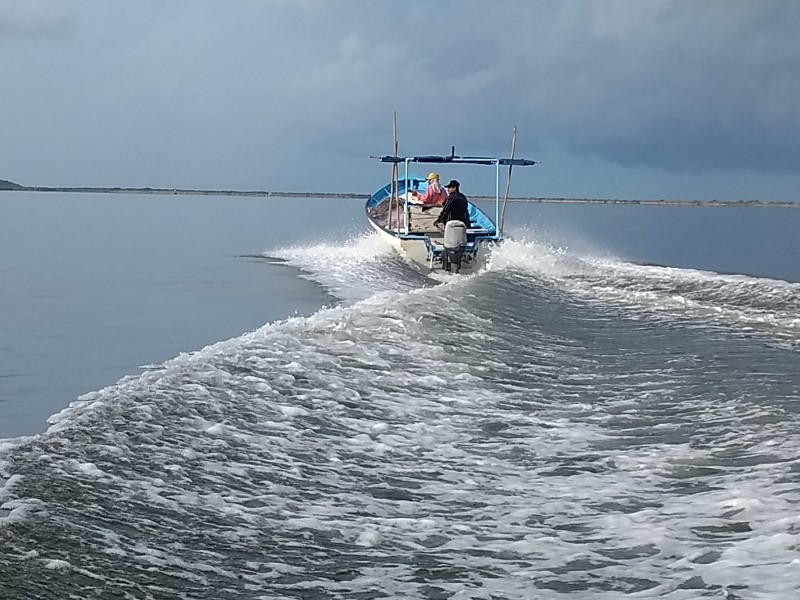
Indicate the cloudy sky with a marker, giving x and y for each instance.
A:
(616, 98)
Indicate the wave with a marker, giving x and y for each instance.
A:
(558, 421)
(365, 265)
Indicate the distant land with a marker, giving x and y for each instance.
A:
(10, 186)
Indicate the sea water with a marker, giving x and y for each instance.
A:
(609, 409)
(94, 286)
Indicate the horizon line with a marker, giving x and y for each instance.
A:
(286, 194)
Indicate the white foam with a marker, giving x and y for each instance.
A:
(352, 270)
(389, 427)
(57, 564)
(368, 538)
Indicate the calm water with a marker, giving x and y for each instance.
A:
(93, 286)
(609, 409)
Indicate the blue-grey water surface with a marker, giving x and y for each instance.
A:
(609, 409)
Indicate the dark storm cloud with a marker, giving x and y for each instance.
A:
(684, 86)
(271, 93)
(33, 19)
(693, 90)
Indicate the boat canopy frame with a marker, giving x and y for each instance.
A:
(453, 159)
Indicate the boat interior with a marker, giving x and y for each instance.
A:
(419, 220)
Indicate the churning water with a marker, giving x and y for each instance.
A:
(557, 424)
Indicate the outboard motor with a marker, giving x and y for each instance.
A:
(455, 242)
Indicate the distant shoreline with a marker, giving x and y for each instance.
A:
(9, 186)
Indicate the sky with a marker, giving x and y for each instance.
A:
(616, 98)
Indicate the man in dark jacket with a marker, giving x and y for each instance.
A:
(456, 207)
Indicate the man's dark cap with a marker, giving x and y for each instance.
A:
(453, 183)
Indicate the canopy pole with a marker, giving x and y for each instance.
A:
(405, 204)
(497, 192)
(508, 181)
(394, 203)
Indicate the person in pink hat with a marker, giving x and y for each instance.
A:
(434, 195)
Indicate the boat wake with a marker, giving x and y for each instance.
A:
(556, 422)
(365, 265)
(561, 421)
(353, 269)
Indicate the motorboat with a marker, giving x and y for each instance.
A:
(412, 228)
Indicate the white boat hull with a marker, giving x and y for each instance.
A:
(425, 250)
(413, 249)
